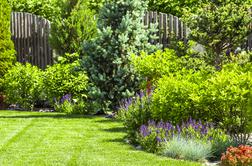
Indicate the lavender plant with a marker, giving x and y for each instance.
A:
(135, 112)
(153, 135)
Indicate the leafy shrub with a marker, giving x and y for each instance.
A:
(237, 156)
(214, 98)
(120, 33)
(134, 112)
(7, 52)
(22, 85)
(72, 27)
(65, 78)
(165, 63)
(188, 149)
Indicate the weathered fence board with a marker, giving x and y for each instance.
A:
(168, 26)
(30, 35)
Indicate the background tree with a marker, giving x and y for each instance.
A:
(7, 52)
(75, 25)
(106, 60)
(173, 7)
(220, 25)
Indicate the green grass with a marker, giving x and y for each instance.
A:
(32, 138)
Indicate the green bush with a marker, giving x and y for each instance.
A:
(120, 33)
(75, 25)
(7, 52)
(221, 98)
(65, 78)
(165, 63)
(23, 85)
(75, 106)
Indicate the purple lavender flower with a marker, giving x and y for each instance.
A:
(144, 130)
(158, 139)
(66, 97)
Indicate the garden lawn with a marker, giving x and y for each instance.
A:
(32, 138)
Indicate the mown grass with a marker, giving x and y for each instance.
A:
(32, 138)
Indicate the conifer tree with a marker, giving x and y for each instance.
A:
(107, 61)
(7, 52)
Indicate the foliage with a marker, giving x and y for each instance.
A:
(75, 24)
(134, 112)
(120, 33)
(152, 135)
(23, 85)
(65, 78)
(48, 9)
(7, 52)
(237, 156)
(219, 27)
(173, 7)
(188, 149)
(165, 63)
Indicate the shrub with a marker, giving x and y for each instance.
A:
(7, 52)
(22, 85)
(72, 27)
(65, 78)
(188, 149)
(134, 112)
(237, 156)
(165, 63)
(120, 33)
(214, 98)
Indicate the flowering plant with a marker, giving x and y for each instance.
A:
(152, 135)
(237, 156)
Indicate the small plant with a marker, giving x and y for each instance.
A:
(70, 105)
(189, 149)
(237, 156)
(134, 112)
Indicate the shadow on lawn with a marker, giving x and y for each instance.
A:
(56, 116)
(115, 130)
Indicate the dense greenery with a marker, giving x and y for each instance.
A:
(23, 85)
(7, 52)
(69, 30)
(120, 33)
(65, 79)
(48, 9)
(219, 27)
(174, 7)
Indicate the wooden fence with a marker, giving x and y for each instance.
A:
(30, 35)
(169, 26)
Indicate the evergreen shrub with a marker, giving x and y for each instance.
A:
(106, 60)
(7, 52)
